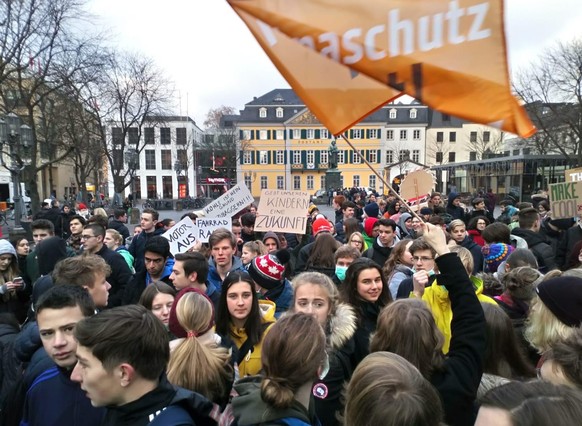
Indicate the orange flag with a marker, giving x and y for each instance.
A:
(347, 58)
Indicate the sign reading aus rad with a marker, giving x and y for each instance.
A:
(230, 203)
(282, 211)
(181, 236)
(207, 225)
(566, 199)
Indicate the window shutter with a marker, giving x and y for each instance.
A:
(378, 156)
(240, 134)
(304, 158)
(351, 133)
(317, 157)
(303, 134)
(317, 134)
(241, 159)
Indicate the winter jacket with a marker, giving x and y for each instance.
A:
(75, 243)
(341, 346)
(140, 281)
(475, 235)
(400, 273)
(282, 296)
(250, 409)
(459, 378)
(29, 350)
(302, 258)
(127, 257)
(477, 213)
(475, 250)
(251, 364)
(378, 253)
(65, 220)
(507, 215)
(137, 247)
(166, 405)
(437, 298)
(54, 215)
(569, 239)
(10, 367)
(403, 231)
(539, 247)
(213, 276)
(457, 212)
(119, 277)
(119, 227)
(54, 399)
(45, 256)
(367, 315)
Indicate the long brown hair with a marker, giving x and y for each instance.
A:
(323, 251)
(394, 258)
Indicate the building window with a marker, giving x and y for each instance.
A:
(392, 114)
(356, 157)
(263, 157)
(451, 157)
(152, 186)
(310, 157)
(310, 133)
(148, 135)
(473, 137)
(440, 137)
(296, 157)
(403, 135)
(263, 112)
(403, 155)
(341, 158)
(280, 157)
(165, 136)
(279, 112)
(390, 135)
(279, 134)
(473, 156)
(280, 182)
(324, 134)
(132, 136)
(264, 182)
(247, 157)
(167, 187)
(248, 181)
(166, 159)
(373, 156)
(357, 181)
(486, 136)
(389, 157)
(416, 155)
(182, 156)
(439, 157)
(323, 157)
(181, 136)
(372, 181)
(373, 133)
(296, 133)
(453, 137)
(150, 159)
(246, 135)
(309, 182)
(263, 135)
(413, 113)
(357, 133)
(297, 183)
(116, 136)
(322, 184)
(416, 135)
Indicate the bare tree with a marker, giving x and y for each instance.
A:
(489, 141)
(552, 90)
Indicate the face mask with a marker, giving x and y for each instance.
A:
(340, 272)
(430, 273)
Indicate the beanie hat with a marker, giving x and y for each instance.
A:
(426, 210)
(495, 254)
(312, 208)
(273, 236)
(369, 223)
(563, 297)
(372, 210)
(174, 325)
(267, 270)
(7, 248)
(321, 225)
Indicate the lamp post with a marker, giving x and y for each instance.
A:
(17, 139)
(132, 159)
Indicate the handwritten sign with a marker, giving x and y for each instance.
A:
(230, 203)
(207, 225)
(573, 175)
(181, 236)
(565, 199)
(282, 211)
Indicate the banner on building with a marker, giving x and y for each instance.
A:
(207, 225)
(230, 203)
(566, 200)
(181, 236)
(347, 58)
(282, 211)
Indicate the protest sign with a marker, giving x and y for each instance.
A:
(573, 175)
(282, 211)
(207, 225)
(181, 236)
(230, 203)
(566, 199)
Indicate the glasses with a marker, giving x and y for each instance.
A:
(422, 259)
(86, 237)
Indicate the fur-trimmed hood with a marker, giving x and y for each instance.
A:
(341, 327)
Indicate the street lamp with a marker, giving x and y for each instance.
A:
(132, 160)
(17, 137)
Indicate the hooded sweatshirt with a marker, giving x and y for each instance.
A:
(457, 212)
(404, 232)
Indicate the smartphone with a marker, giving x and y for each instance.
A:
(18, 281)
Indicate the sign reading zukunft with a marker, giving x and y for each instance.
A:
(181, 236)
(282, 211)
(566, 199)
(230, 203)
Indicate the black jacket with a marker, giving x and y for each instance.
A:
(457, 382)
(119, 227)
(475, 250)
(120, 275)
(378, 254)
(137, 285)
(367, 319)
(54, 215)
(566, 245)
(538, 245)
(137, 248)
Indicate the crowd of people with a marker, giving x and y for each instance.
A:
(378, 315)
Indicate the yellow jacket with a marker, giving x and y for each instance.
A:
(437, 298)
(251, 365)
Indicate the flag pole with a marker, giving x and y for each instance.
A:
(402, 201)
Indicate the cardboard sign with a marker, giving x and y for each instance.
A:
(282, 211)
(566, 199)
(573, 175)
(230, 203)
(207, 225)
(181, 236)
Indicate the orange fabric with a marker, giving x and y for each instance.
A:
(347, 58)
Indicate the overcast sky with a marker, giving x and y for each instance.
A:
(213, 60)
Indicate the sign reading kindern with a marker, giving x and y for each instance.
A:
(566, 199)
(282, 211)
(181, 236)
(230, 203)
